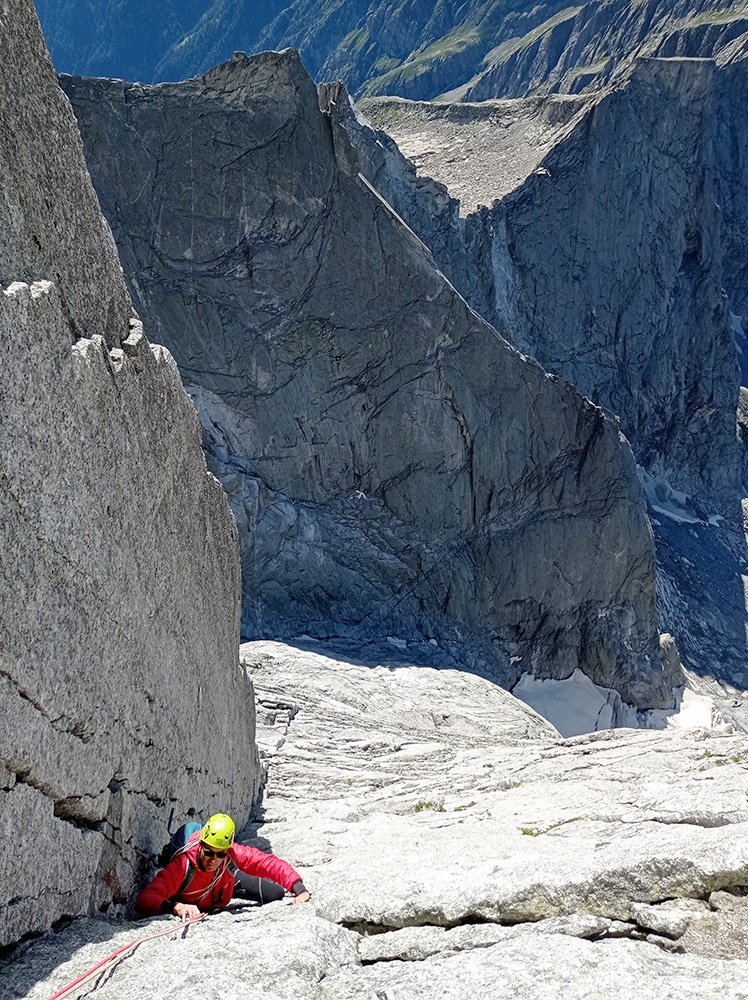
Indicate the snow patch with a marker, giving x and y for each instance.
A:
(663, 499)
(400, 643)
(696, 711)
(577, 705)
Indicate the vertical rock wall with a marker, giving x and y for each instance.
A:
(615, 248)
(606, 259)
(604, 262)
(731, 154)
(121, 690)
(396, 468)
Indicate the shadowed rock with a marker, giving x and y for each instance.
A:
(581, 48)
(396, 468)
(603, 254)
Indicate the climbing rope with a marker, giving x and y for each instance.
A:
(124, 952)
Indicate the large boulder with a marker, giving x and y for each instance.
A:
(121, 688)
(395, 467)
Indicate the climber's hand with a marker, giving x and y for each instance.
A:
(303, 897)
(185, 911)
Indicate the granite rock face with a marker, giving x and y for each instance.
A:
(484, 48)
(455, 846)
(731, 157)
(395, 467)
(121, 691)
(615, 246)
(603, 253)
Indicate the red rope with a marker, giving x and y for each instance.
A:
(115, 954)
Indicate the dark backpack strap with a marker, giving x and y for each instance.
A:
(189, 873)
(188, 876)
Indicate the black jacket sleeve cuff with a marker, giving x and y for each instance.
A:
(298, 887)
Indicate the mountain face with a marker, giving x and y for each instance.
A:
(395, 467)
(111, 38)
(472, 50)
(121, 690)
(585, 47)
(730, 139)
(603, 254)
(402, 46)
(407, 47)
(603, 265)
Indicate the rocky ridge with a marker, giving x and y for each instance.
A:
(454, 842)
(583, 48)
(395, 467)
(603, 264)
(119, 606)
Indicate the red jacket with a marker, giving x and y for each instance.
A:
(160, 895)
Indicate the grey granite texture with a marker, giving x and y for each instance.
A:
(599, 253)
(608, 225)
(50, 220)
(455, 846)
(731, 156)
(395, 467)
(120, 685)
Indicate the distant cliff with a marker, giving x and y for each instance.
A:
(122, 695)
(396, 468)
(597, 233)
(584, 47)
(603, 259)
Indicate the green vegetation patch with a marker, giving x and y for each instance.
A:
(714, 17)
(454, 43)
(384, 64)
(597, 67)
(422, 806)
(536, 831)
(507, 49)
(355, 41)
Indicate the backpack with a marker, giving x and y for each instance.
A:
(177, 843)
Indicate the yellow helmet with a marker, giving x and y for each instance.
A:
(218, 832)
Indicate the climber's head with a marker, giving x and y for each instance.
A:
(216, 838)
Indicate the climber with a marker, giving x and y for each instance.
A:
(200, 876)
